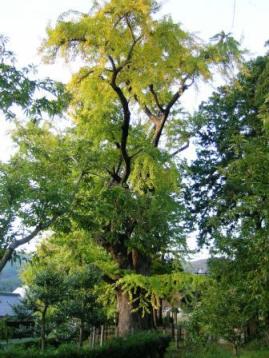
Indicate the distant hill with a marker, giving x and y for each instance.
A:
(197, 266)
(10, 280)
(9, 277)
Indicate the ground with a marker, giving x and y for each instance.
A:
(215, 352)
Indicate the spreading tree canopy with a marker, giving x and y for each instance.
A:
(135, 68)
(39, 184)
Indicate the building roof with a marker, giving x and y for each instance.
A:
(7, 301)
(20, 291)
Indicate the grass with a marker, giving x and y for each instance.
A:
(214, 352)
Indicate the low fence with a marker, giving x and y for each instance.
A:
(99, 335)
(104, 333)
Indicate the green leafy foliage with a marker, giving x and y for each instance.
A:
(39, 182)
(155, 287)
(224, 311)
(232, 157)
(5, 331)
(229, 203)
(77, 305)
(82, 301)
(46, 288)
(19, 88)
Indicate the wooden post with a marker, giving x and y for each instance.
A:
(90, 339)
(175, 316)
(93, 337)
(176, 338)
(116, 331)
(172, 327)
(101, 336)
(105, 332)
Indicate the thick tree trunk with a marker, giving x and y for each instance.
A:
(125, 322)
(129, 321)
(252, 329)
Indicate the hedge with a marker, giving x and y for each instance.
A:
(139, 345)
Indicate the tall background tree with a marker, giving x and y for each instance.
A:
(229, 193)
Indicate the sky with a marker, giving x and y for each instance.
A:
(24, 22)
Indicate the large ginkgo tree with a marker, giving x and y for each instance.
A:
(133, 67)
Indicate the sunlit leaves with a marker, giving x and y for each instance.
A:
(147, 51)
(157, 287)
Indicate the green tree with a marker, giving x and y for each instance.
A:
(229, 192)
(5, 330)
(224, 308)
(82, 303)
(228, 176)
(47, 289)
(125, 101)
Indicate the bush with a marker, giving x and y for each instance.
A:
(140, 345)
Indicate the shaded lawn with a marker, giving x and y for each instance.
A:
(214, 352)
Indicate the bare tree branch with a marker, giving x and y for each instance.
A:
(167, 110)
(126, 119)
(124, 102)
(136, 153)
(156, 98)
(175, 97)
(153, 118)
(16, 243)
(185, 146)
